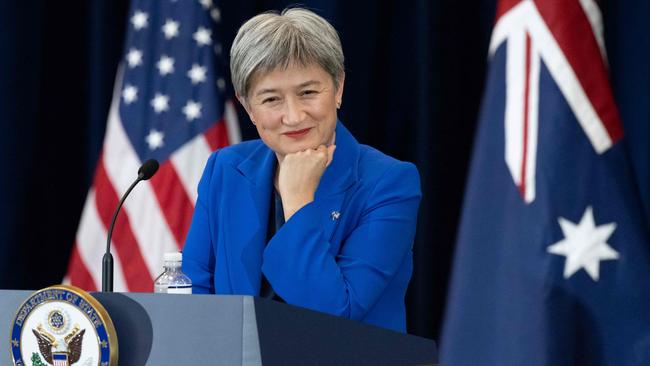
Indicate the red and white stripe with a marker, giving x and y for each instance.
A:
(568, 37)
(156, 216)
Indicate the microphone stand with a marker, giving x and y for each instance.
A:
(146, 171)
(107, 261)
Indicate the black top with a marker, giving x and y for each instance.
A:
(276, 220)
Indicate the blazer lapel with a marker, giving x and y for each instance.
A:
(342, 172)
(246, 219)
(337, 179)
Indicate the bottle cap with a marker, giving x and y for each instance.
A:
(173, 257)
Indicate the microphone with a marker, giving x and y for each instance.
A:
(146, 171)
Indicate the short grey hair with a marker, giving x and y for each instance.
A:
(294, 37)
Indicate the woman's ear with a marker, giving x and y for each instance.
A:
(339, 91)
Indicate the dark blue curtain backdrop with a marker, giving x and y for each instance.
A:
(414, 80)
(57, 68)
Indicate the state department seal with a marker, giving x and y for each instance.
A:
(63, 326)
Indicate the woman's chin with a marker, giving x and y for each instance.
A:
(291, 147)
(300, 146)
(297, 149)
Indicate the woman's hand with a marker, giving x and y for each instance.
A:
(299, 175)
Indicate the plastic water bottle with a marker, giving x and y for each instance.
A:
(173, 280)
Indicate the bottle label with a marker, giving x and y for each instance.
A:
(180, 290)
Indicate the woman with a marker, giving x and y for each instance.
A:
(305, 215)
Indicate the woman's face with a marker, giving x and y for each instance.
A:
(294, 109)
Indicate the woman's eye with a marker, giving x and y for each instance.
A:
(269, 100)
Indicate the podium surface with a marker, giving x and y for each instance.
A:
(161, 329)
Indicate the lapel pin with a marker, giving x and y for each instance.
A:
(335, 215)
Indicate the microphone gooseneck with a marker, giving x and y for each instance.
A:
(146, 171)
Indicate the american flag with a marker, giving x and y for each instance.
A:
(552, 261)
(169, 104)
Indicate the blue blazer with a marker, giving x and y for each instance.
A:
(347, 253)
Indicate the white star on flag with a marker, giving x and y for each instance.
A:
(160, 103)
(155, 139)
(170, 28)
(203, 36)
(197, 73)
(192, 110)
(130, 94)
(165, 65)
(140, 20)
(206, 3)
(215, 14)
(134, 57)
(584, 245)
(221, 83)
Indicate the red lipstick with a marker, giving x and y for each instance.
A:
(297, 134)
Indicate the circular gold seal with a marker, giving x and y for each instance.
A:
(63, 326)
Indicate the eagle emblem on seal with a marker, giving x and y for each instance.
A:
(62, 352)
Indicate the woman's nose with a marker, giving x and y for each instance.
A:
(293, 113)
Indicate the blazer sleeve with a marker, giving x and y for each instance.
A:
(198, 252)
(300, 267)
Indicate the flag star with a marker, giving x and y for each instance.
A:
(206, 3)
(192, 110)
(155, 139)
(170, 28)
(197, 73)
(584, 245)
(215, 14)
(218, 49)
(165, 65)
(221, 83)
(140, 19)
(203, 36)
(160, 103)
(130, 94)
(134, 57)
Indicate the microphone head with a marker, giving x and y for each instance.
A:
(148, 169)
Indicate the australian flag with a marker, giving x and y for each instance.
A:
(552, 264)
